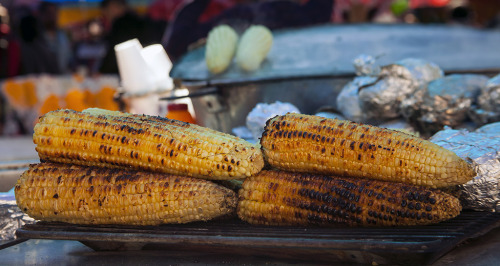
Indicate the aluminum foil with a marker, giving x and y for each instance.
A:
(11, 218)
(444, 102)
(348, 98)
(487, 109)
(377, 95)
(482, 148)
(365, 65)
(257, 118)
(400, 125)
(382, 99)
(422, 71)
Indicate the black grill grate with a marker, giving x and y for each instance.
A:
(408, 245)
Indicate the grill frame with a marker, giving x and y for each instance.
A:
(401, 245)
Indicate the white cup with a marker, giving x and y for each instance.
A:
(160, 64)
(135, 73)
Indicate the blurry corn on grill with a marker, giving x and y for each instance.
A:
(286, 198)
(305, 143)
(114, 139)
(93, 195)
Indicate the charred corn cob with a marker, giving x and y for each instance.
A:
(314, 144)
(114, 139)
(94, 195)
(286, 198)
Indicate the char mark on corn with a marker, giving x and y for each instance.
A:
(113, 139)
(287, 198)
(95, 195)
(306, 143)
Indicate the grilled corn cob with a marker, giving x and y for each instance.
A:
(94, 195)
(221, 46)
(113, 139)
(314, 144)
(253, 48)
(286, 198)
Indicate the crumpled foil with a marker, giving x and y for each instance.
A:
(422, 71)
(399, 125)
(395, 83)
(365, 65)
(378, 97)
(444, 102)
(382, 98)
(487, 109)
(11, 218)
(482, 148)
(348, 98)
(330, 115)
(257, 118)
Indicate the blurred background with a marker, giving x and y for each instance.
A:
(59, 53)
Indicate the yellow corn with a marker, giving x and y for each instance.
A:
(286, 198)
(93, 195)
(221, 46)
(305, 143)
(253, 48)
(114, 139)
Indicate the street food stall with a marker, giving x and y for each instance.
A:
(308, 68)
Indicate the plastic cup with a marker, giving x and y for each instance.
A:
(135, 73)
(160, 64)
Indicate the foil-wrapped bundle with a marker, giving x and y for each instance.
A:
(487, 109)
(382, 99)
(348, 98)
(444, 102)
(365, 65)
(379, 97)
(482, 148)
(11, 218)
(400, 125)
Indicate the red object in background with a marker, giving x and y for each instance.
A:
(166, 9)
(428, 3)
(163, 9)
(179, 111)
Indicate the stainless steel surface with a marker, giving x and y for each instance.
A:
(10, 171)
(229, 108)
(330, 50)
(15, 156)
(17, 149)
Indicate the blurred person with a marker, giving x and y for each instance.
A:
(36, 57)
(44, 47)
(359, 11)
(10, 53)
(122, 24)
(485, 12)
(187, 29)
(430, 11)
(55, 38)
(461, 15)
(165, 9)
(90, 50)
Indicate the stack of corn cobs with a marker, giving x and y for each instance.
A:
(103, 167)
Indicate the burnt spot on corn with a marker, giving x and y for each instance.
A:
(351, 146)
(340, 199)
